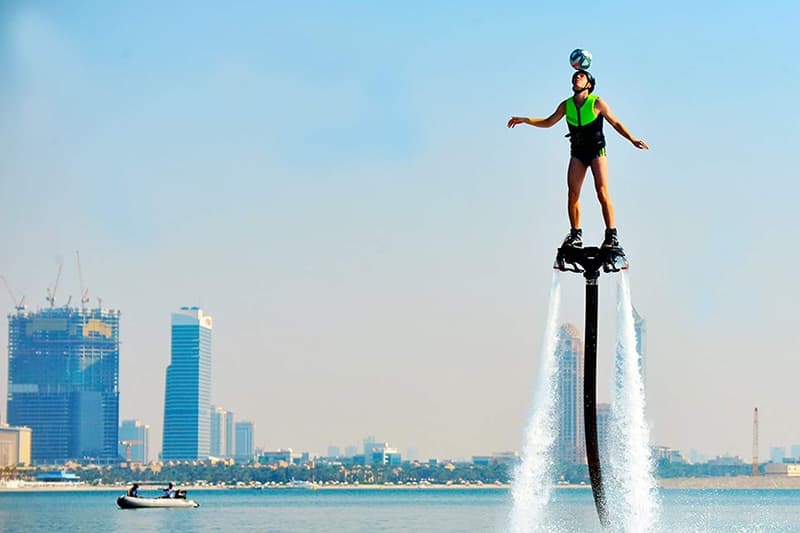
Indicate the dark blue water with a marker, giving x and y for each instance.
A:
(392, 510)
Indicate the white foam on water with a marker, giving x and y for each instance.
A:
(532, 483)
(630, 487)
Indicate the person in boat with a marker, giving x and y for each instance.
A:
(585, 113)
(170, 491)
(133, 492)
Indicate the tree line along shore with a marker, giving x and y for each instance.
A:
(208, 474)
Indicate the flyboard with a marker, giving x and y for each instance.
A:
(589, 262)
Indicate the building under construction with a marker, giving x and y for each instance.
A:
(63, 382)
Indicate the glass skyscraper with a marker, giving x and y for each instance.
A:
(570, 446)
(63, 382)
(187, 402)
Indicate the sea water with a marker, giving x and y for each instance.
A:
(388, 510)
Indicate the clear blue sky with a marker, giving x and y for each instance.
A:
(335, 185)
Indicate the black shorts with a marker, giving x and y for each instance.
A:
(587, 155)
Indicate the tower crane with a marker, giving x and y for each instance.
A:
(84, 292)
(51, 295)
(18, 304)
(128, 444)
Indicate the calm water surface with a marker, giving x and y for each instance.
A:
(391, 510)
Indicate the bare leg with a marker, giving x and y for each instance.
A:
(576, 172)
(600, 173)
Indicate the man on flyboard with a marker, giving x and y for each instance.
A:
(585, 113)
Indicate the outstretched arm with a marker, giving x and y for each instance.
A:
(604, 110)
(540, 122)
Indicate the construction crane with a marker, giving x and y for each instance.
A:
(51, 295)
(755, 442)
(84, 292)
(18, 304)
(128, 444)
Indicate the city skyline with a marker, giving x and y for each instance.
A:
(570, 423)
(337, 186)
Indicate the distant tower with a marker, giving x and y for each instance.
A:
(603, 428)
(187, 402)
(569, 354)
(755, 441)
(221, 432)
(245, 438)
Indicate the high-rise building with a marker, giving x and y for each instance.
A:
(222, 433)
(603, 429)
(63, 382)
(795, 451)
(570, 447)
(334, 451)
(187, 402)
(245, 437)
(369, 444)
(134, 441)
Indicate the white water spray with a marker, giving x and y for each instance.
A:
(631, 489)
(533, 476)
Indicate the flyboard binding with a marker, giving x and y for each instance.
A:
(591, 258)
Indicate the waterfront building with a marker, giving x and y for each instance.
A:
(777, 454)
(245, 440)
(667, 454)
(134, 441)
(187, 402)
(782, 469)
(383, 454)
(276, 457)
(570, 446)
(15, 446)
(497, 458)
(63, 382)
(726, 460)
(222, 433)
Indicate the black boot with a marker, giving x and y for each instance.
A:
(574, 238)
(611, 240)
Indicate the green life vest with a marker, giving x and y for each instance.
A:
(585, 115)
(585, 124)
